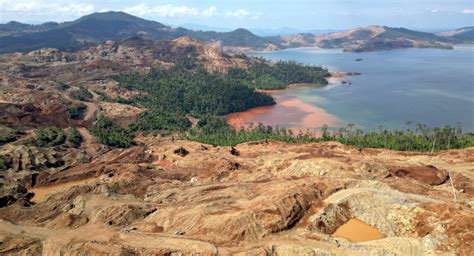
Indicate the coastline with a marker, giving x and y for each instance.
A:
(290, 113)
(335, 76)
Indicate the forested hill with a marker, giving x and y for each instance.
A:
(99, 27)
(96, 28)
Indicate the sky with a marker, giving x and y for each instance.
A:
(266, 14)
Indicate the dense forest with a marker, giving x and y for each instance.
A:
(265, 76)
(110, 134)
(195, 92)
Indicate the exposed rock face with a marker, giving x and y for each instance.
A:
(285, 199)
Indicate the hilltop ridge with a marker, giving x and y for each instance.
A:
(372, 38)
(96, 28)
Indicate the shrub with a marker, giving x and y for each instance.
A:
(8, 135)
(63, 86)
(5, 163)
(74, 138)
(76, 112)
(50, 136)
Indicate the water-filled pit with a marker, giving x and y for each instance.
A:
(356, 231)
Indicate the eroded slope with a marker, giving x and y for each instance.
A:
(257, 198)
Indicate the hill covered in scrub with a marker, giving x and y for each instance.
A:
(94, 29)
(465, 34)
(121, 148)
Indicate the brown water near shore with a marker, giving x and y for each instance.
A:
(40, 193)
(289, 112)
(358, 231)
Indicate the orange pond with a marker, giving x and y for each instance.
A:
(358, 231)
(289, 112)
(40, 193)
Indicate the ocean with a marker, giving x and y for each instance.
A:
(397, 87)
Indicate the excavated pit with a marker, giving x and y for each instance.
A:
(358, 231)
(375, 215)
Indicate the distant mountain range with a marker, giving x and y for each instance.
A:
(96, 28)
(462, 34)
(376, 38)
(263, 32)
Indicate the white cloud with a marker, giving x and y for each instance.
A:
(434, 10)
(468, 11)
(238, 13)
(211, 11)
(162, 10)
(43, 7)
(79, 9)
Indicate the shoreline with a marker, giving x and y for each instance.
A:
(335, 76)
(291, 113)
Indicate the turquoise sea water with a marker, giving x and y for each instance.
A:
(430, 86)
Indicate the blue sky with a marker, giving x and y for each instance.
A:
(302, 14)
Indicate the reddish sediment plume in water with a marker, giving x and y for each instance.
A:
(290, 113)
